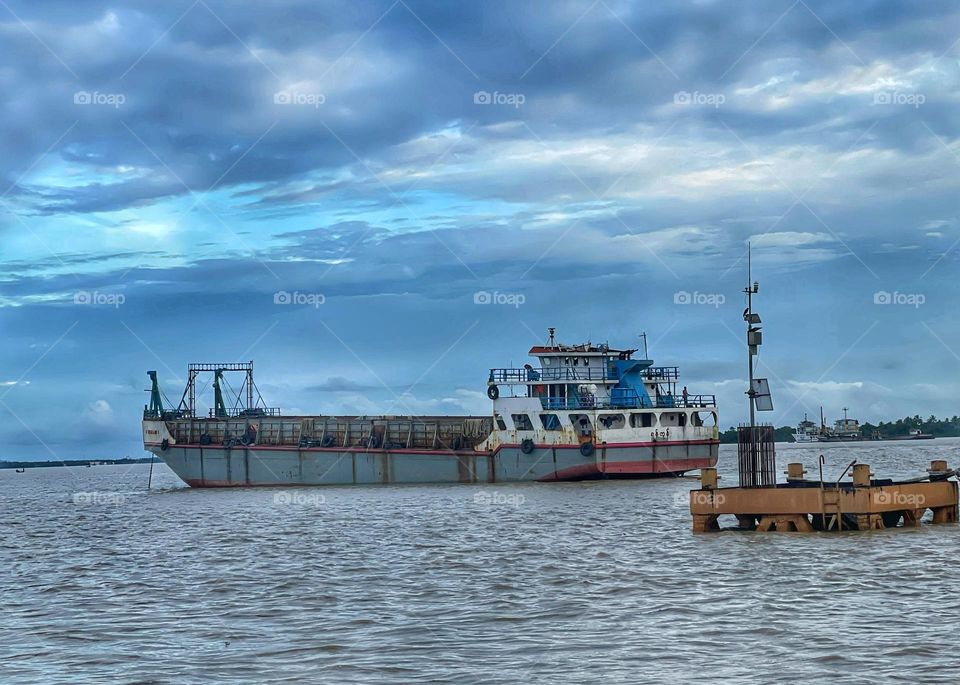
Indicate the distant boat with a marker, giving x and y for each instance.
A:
(915, 434)
(21, 470)
(844, 430)
(806, 431)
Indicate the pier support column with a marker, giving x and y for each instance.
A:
(785, 523)
(945, 514)
(705, 523)
(869, 522)
(911, 517)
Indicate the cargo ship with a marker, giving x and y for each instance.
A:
(844, 430)
(583, 412)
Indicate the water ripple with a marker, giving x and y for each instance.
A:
(581, 583)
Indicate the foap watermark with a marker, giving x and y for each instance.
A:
(85, 297)
(909, 299)
(699, 497)
(99, 498)
(85, 97)
(710, 299)
(500, 499)
(299, 499)
(910, 500)
(482, 97)
(509, 299)
(895, 97)
(699, 99)
(295, 97)
(298, 298)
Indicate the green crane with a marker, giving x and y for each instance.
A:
(220, 409)
(156, 403)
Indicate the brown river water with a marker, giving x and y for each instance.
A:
(600, 582)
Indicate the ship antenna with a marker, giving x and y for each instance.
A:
(552, 342)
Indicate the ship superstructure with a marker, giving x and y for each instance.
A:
(807, 431)
(843, 430)
(583, 412)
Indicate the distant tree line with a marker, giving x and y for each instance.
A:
(940, 428)
(781, 434)
(74, 462)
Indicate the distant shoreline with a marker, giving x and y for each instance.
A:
(74, 462)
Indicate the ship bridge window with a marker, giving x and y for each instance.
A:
(611, 420)
(522, 422)
(501, 424)
(551, 422)
(703, 418)
(641, 419)
(581, 422)
(673, 418)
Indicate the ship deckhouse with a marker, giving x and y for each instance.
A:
(588, 376)
(587, 395)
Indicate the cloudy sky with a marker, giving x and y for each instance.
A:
(379, 201)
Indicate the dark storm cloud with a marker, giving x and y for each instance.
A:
(198, 99)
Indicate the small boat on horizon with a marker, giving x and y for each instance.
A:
(915, 434)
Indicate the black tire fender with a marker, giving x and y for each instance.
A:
(164, 445)
(493, 392)
(586, 449)
(527, 446)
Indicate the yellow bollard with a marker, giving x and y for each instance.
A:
(861, 475)
(795, 471)
(708, 478)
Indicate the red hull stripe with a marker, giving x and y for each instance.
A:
(629, 468)
(573, 473)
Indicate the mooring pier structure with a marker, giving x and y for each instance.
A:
(801, 505)
(863, 503)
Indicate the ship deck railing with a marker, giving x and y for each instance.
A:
(240, 412)
(173, 415)
(573, 374)
(626, 401)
